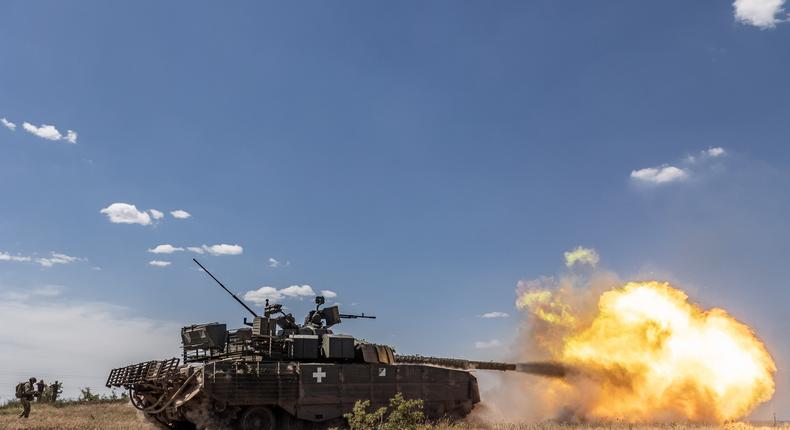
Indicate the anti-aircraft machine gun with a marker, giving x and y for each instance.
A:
(274, 373)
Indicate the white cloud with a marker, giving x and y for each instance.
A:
(495, 315)
(29, 352)
(260, 295)
(56, 258)
(659, 175)
(155, 214)
(582, 255)
(487, 344)
(159, 263)
(8, 124)
(71, 136)
(218, 249)
(714, 152)
(4, 256)
(221, 249)
(759, 13)
(124, 213)
(298, 291)
(165, 249)
(273, 262)
(53, 259)
(180, 214)
(48, 132)
(329, 294)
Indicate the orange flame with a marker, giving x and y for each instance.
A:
(647, 354)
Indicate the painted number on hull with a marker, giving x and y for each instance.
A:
(382, 371)
(319, 375)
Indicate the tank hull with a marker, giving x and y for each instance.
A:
(310, 395)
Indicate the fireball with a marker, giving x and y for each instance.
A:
(647, 354)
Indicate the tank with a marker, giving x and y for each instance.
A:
(274, 373)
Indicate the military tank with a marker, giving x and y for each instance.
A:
(276, 374)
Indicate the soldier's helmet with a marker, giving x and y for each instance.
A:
(32, 379)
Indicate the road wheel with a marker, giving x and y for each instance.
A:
(258, 418)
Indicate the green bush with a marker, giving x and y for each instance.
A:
(401, 414)
(88, 396)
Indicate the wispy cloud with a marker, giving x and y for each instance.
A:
(125, 213)
(8, 124)
(155, 214)
(273, 262)
(53, 259)
(40, 309)
(47, 291)
(4, 256)
(71, 136)
(715, 152)
(221, 249)
(159, 263)
(218, 249)
(659, 175)
(56, 258)
(696, 165)
(491, 315)
(165, 249)
(488, 344)
(180, 214)
(329, 294)
(707, 154)
(760, 13)
(50, 132)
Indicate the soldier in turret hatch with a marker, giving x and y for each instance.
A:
(314, 318)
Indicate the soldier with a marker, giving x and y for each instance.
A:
(25, 392)
(55, 390)
(40, 385)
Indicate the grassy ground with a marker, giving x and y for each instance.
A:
(90, 416)
(122, 416)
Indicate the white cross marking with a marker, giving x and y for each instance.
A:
(319, 375)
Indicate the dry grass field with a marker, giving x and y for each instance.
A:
(98, 416)
(121, 416)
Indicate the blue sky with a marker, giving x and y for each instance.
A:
(416, 158)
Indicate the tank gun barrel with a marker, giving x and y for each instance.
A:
(542, 368)
(224, 288)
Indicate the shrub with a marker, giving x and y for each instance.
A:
(88, 396)
(401, 414)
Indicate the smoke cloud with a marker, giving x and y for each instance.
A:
(581, 255)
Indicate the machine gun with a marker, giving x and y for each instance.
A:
(331, 315)
(353, 317)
